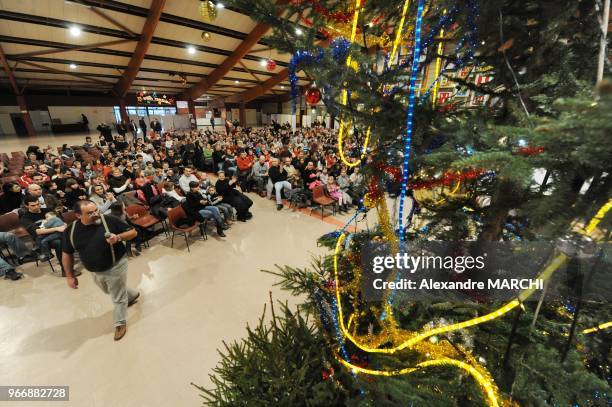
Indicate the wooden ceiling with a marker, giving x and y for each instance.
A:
(125, 46)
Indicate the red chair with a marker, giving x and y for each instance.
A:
(9, 222)
(322, 199)
(69, 217)
(145, 220)
(174, 216)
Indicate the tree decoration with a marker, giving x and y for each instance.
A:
(412, 339)
(312, 96)
(206, 36)
(208, 11)
(270, 65)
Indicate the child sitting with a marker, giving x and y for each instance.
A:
(42, 241)
(335, 192)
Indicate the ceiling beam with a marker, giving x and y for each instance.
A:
(253, 75)
(72, 48)
(9, 73)
(240, 52)
(218, 73)
(112, 21)
(75, 74)
(258, 90)
(148, 29)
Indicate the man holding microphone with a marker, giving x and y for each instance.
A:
(98, 239)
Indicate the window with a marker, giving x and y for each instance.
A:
(144, 111)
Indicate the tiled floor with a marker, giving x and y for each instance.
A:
(191, 302)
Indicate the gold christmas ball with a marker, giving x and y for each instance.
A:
(208, 11)
(206, 36)
(442, 196)
(385, 41)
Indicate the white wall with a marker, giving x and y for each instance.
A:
(41, 121)
(6, 124)
(72, 114)
(251, 117)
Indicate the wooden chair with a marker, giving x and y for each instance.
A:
(322, 200)
(176, 214)
(69, 217)
(145, 220)
(9, 222)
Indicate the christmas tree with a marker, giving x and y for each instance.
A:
(463, 169)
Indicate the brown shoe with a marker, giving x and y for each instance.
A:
(120, 331)
(133, 301)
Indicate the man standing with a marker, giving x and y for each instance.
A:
(98, 239)
(143, 127)
(134, 130)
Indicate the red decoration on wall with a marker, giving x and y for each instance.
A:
(271, 65)
(312, 95)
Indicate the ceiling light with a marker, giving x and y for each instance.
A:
(220, 5)
(236, 81)
(73, 66)
(75, 31)
(263, 62)
(191, 49)
(283, 87)
(299, 31)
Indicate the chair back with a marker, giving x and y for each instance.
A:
(9, 221)
(139, 210)
(318, 192)
(174, 215)
(69, 217)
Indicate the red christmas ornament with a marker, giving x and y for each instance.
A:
(271, 65)
(327, 373)
(313, 96)
(528, 151)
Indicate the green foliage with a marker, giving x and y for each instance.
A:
(543, 55)
(279, 363)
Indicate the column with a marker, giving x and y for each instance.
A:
(192, 112)
(242, 114)
(25, 115)
(123, 111)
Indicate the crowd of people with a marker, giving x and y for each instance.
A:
(164, 170)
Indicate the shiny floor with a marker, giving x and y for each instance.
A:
(190, 303)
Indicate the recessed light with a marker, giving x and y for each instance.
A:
(220, 5)
(75, 30)
(299, 31)
(73, 66)
(236, 81)
(191, 49)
